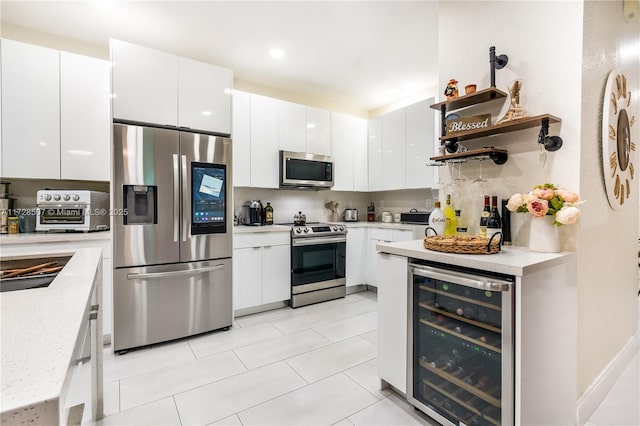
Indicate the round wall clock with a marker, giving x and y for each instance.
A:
(618, 140)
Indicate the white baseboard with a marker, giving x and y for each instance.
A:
(591, 399)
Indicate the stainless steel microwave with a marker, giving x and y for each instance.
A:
(306, 171)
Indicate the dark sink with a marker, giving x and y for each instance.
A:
(38, 278)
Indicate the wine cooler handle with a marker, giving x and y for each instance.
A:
(468, 280)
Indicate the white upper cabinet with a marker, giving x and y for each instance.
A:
(349, 136)
(204, 96)
(241, 135)
(292, 120)
(393, 150)
(318, 131)
(360, 160)
(85, 120)
(375, 153)
(264, 142)
(145, 84)
(30, 111)
(419, 144)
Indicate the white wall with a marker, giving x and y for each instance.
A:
(608, 243)
(543, 41)
(564, 74)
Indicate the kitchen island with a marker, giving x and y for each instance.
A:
(543, 350)
(45, 331)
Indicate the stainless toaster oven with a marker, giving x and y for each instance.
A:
(72, 210)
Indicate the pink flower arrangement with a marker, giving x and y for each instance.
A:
(547, 200)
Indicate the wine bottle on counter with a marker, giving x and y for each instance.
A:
(268, 211)
(506, 224)
(494, 224)
(437, 220)
(484, 217)
(450, 217)
(461, 228)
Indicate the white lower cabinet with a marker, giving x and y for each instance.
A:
(384, 235)
(261, 269)
(357, 247)
(392, 319)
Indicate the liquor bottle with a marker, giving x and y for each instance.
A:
(461, 228)
(437, 219)
(506, 224)
(268, 212)
(484, 217)
(494, 223)
(450, 217)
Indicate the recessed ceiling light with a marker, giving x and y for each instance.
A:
(276, 53)
(310, 125)
(207, 113)
(79, 152)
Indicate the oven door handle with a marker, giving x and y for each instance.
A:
(468, 280)
(319, 240)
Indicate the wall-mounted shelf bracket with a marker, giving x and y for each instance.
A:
(497, 63)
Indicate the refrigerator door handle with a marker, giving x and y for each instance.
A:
(174, 273)
(176, 199)
(185, 221)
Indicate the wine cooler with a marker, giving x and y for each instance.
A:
(461, 360)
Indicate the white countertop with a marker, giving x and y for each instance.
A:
(52, 237)
(244, 229)
(39, 330)
(511, 260)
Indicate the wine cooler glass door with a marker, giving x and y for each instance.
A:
(461, 355)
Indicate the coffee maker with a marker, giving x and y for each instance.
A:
(6, 207)
(252, 213)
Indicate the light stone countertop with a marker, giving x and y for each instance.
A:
(244, 229)
(39, 330)
(511, 260)
(52, 237)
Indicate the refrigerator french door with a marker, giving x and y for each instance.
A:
(172, 244)
(461, 360)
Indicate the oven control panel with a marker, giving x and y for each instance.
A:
(298, 231)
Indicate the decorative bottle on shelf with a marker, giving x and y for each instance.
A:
(494, 223)
(450, 218)
(268, 212)
(484, 217)
(437, 219)
(461, 228)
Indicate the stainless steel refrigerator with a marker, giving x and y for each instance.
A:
(172, 243)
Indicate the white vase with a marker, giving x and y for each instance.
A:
(544, 236)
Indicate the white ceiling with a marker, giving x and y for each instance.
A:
(361, 54)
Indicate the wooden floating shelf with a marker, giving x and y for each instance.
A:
(509, 126)
(480, 96)
(470, 153)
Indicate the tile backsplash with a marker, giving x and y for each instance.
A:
(288, 202)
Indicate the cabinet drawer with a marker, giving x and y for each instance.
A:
(381, 234)
(261, 239)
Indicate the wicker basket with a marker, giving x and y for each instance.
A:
(463, 244)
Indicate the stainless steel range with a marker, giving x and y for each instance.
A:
(318, 255)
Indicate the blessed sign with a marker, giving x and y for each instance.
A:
(465, 124)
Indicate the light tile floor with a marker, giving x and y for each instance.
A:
(314, 365)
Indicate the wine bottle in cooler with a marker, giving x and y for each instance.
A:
(484, 217)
